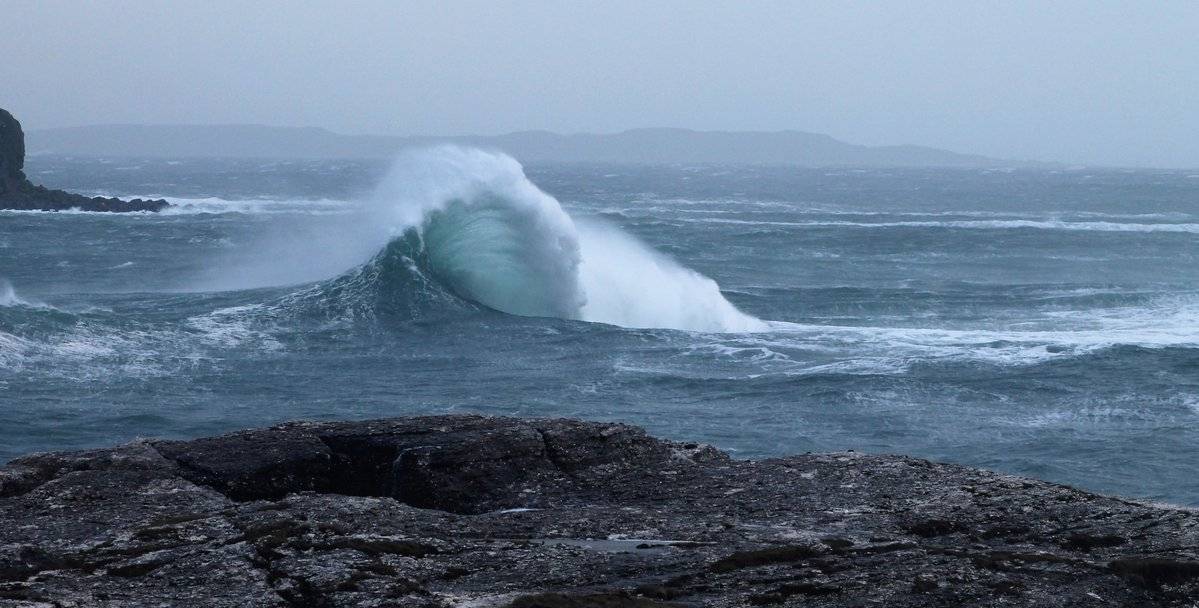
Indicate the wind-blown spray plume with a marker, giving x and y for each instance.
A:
(468, 222)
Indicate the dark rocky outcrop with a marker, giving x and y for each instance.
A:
(476, 511)
(16, 192)
(12, 152)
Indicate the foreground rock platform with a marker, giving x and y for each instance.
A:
(16, 192)
(476, 511)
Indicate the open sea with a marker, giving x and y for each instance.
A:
(1037, 322)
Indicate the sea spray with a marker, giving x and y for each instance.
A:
(493, 237)
(10, 298)
(8, 295)
(461, 223)
(631, 285)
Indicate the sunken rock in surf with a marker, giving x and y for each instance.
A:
(446, 511)
(17, 192)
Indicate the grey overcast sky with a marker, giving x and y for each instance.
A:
(1112, 83)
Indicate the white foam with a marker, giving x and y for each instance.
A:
(70, 212)
(810, 349)
(1189, 228)
(233, 327)
(741, 353)
(649, 206)
(12, 351)
(1191, 402)
(259, 206)
(86, 351)
(211, 206)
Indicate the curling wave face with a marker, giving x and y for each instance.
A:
(469, 223)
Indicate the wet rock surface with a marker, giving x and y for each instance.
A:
(16, 192)
(475, 511)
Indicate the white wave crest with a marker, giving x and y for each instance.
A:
(495, 238)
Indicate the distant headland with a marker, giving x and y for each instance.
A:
(637, 147)
(17, 192)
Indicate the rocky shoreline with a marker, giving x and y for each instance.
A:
(18, 193)
(477, 511)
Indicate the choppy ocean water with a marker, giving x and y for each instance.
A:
(1038, 322)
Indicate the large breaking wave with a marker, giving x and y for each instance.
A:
(467, 226)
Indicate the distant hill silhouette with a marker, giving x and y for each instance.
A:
(638, 146)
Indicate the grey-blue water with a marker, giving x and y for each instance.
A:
(1038, 322)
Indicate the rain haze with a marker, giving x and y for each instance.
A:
(1108, 83)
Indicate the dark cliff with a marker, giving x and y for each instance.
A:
(450, 511)
(12, 152)
(16, 192)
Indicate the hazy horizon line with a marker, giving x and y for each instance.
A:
(601, 133)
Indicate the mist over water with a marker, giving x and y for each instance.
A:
(1036, 322)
